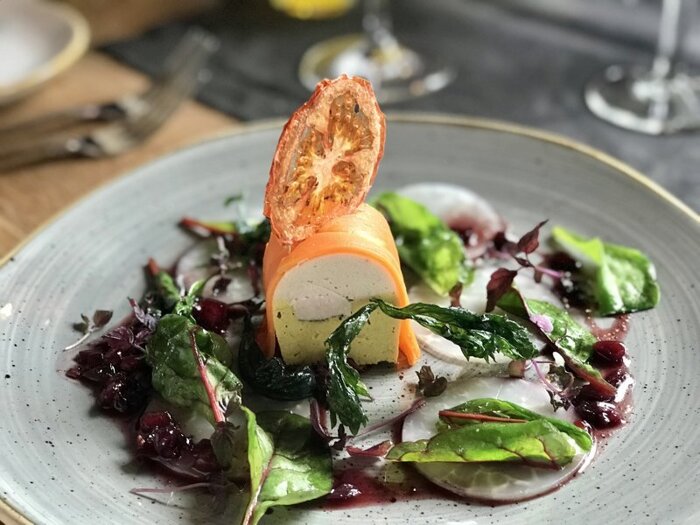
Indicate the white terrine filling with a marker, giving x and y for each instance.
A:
(312, 298)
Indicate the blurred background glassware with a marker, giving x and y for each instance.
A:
(396, 72)
(656, 100)
(313, 9)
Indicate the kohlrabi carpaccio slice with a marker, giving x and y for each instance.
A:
(459, 208)
(195, 265)
(491, 482)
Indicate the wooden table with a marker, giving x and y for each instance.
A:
(32, 196)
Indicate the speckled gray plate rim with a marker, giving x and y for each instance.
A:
(62, 463)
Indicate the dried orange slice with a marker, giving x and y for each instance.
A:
(326, 158)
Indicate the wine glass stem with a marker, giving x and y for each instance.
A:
(676, 16)
(377, 25)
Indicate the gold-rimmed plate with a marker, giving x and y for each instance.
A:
(63, 464)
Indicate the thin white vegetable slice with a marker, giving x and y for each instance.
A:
(489, 482)
(195, 265)
(459, 208)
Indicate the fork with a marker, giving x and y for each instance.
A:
(104, 112)
(141, 116)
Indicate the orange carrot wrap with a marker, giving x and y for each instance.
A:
(365, 233)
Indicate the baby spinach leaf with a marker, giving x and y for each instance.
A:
(536, 443)
(272, 377)
(507, 410)
(621, 279)
(425, 243)
(568, 334)
(175, 373)
(567, 337)
(477, 335)
(300, 468)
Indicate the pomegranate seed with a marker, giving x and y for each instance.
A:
(160, 436)
(609, 352)
(212, 315)
(590, 393)
(617, 377)
(169, 442)
(600, 414)
(151, 420)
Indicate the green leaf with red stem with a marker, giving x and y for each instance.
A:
(176, 373)
(495, 430)
(568, 338)
(535, 443)
(201, 367)
(488, 409)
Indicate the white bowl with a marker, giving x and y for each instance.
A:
(38, 40)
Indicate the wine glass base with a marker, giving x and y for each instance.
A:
(396, 74)
(634, 98)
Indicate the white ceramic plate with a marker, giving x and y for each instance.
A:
(61, 463)
(38, 40)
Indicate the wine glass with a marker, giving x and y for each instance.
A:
(395, 71)
(661, 99)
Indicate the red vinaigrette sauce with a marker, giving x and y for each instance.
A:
(355, 487)
(357, 483)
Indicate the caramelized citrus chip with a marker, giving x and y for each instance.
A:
(326, 158)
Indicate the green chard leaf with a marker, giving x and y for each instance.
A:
(498, 408)
(285, 461)
(260, 452)
(537, 443)
(620, 279)
(573, 342)
(175, 373)
(300, 468)
(479, 336)
(425, 243)
(272, 377)
(568, 334)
